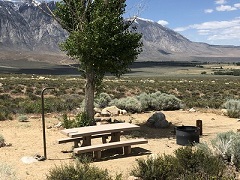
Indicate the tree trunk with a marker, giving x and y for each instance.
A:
(89, 94)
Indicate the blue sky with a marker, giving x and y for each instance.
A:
(209, 21)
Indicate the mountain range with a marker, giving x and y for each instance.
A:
(26, 32)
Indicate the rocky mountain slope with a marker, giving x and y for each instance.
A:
(25, 27)
(163, 43)
(29, 33)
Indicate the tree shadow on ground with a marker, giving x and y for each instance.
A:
(152, 133)
(111, 154)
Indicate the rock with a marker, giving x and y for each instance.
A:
(97, 119)
(8, 144)
(113, 110)
(134, 178)
(97, 115)
(97, 110)
(35, 117)
(161, 124)
(59, 124)
(123, 112)
(118, 121)
(158, 120)
(192, 110)
(2, 144)
(105, 113)
(224, 112)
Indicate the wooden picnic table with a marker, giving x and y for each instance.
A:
(87, 132)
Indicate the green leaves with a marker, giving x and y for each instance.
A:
(98, 36)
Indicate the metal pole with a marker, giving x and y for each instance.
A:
(43, 123)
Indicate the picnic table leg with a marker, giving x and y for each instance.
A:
(104, 139)
(86, 141)
(127, 150)
(115, 137)
(97, 154)
(76, 143)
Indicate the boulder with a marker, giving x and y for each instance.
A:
(224, 112)
(123, 112)
(158, 120)
(97, 115)
(112, 110)
(97, 110)
(192, 110)
(105, 113)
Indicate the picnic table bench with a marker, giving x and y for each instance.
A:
(86, 134)
(77, 140)
(96, 149)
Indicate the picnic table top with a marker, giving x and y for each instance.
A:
(100, 129)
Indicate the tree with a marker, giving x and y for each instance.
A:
(99, 38)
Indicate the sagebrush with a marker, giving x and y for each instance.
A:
(186, 163)
(79, 171)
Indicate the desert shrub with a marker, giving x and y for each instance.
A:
(102, 100)
(169, 102)
(67, 122)
(71, 101)
(188, 163)
(235, 150)
(155, 101)
(196, 161)
(145, 100)
(29, 106)
(163, 101)
(236, 72)
(131, 104)
(7, 107)
(32, 96)
(80, 120)
(5, 113)
(233, 108)
(7, 172)
(50, 105)
(157, 168)
(223, 73)
(2, 140)
(227, 145)
(222, 144)
(22, 118)
(79, 171)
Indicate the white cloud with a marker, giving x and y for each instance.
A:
(163, 22)
(208, 10)
(203, 32)
(220, 1)
(227, 34)
(216, 30)
(237, 5)
(226, 8)
(181, 29)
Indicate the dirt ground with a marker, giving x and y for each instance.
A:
(27, 140)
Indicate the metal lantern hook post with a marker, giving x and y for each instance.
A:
(43, 122)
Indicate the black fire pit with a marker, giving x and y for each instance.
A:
(187, 135)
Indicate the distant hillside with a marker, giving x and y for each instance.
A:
(28, 33)
(162, 43)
